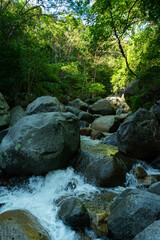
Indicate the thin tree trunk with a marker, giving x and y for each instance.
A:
(119, 42)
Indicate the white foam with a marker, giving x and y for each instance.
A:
(40, 199)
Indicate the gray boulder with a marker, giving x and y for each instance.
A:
(4, 113)
(73, 110)
(85, 116)
(155, 188)
(152, 232)
(21, 224)
(78, 103)
(16, 114)
(111, 139)
(103, 107)
(132, 212)
(74, 214)
(40, 143)
(108, 124)
(141, 131)
(101, 165)
(45, 104)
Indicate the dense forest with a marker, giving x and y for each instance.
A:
(82, 49)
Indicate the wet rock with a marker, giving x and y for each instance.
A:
(100, 165)
(45, 104)
(78, 103)
(132, 212)
(120, 111)
(103, 107)
(83, 124)
(21, 224)
(16, 114)
(74, 214)
(40, 143)
(111, 139)
(85, 116)
(155, 188)
(140, 173)
(100, 224)
(85, 131)
(3, 133)
(108, 124)
(96, 135)
(146, 181)
(139, 130)
(149, 233)
(4, 113)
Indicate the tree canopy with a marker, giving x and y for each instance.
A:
(79, 48)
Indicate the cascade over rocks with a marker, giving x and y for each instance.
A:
(4, 113)
(139, 136)
(45, 104)
(103, 107)
(132, 212)
(21, 224)
(40, 143)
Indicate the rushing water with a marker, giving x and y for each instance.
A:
(39, 196)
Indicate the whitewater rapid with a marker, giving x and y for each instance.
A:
(39, 197)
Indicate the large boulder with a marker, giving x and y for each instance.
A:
(45, 104)
(139, 136)
(21, 224)
(102, 165)
(118, 102)
(78, 103)
(152, 232)
(74, 214)
(155, 188)
(40, 143)
(132, 212)
(4, 113)
(103, 107)
(16, 113)
(108, 124)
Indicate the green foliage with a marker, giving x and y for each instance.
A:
(42, 54)
(96, 89)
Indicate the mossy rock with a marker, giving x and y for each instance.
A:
(21, 224)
